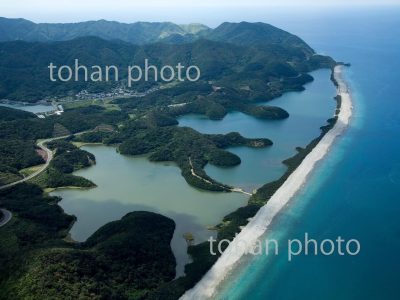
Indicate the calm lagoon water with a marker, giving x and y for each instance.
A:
(308, 111)
(126, 184)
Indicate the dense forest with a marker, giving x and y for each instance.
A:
(141, 33)
(19, 132)
(125, 259)
(67, 159)
(242, 65)
(254, 61)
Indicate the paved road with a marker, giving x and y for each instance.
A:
(41, 145)
(7, 215)
(236, 190)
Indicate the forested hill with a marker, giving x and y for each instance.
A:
(140, 33)
(245, 33)
(136, 33)
(263, 71)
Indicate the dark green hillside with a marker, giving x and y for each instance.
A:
(18, 148)
(74, 120)
(19, 154)
(67, 159)
(256, 60)
(245, 33)
(201, 99)
(188, 148)
(136, 33)
(139, 33)
(10, 114)
(235, 139)
(16, 152)
(24, 73)
(125, 259)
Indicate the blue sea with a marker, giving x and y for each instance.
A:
(355, 192)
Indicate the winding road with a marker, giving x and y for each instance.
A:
(49, 157)
(7, 215)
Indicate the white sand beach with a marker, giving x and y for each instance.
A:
(206, 287)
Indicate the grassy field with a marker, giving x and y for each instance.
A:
(40, 180)
(81, 144)
(28, 171)
(106, 103)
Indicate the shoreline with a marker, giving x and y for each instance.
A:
(41, 144)
(206, 287)
(6, 217)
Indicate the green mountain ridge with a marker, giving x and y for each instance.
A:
(258, 72)
(257, 60)
(243, 33)
(136, 33)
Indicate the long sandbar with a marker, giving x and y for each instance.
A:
(206, 287)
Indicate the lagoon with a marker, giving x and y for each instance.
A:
(308, 111)
(33, 108)
(131, 183)
(126, 184)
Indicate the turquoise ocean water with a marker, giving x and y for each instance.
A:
(355, 191)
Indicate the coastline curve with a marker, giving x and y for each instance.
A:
(7, 215)
(49, 157)
(206, 287)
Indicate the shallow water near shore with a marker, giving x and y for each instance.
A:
(354, 192)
